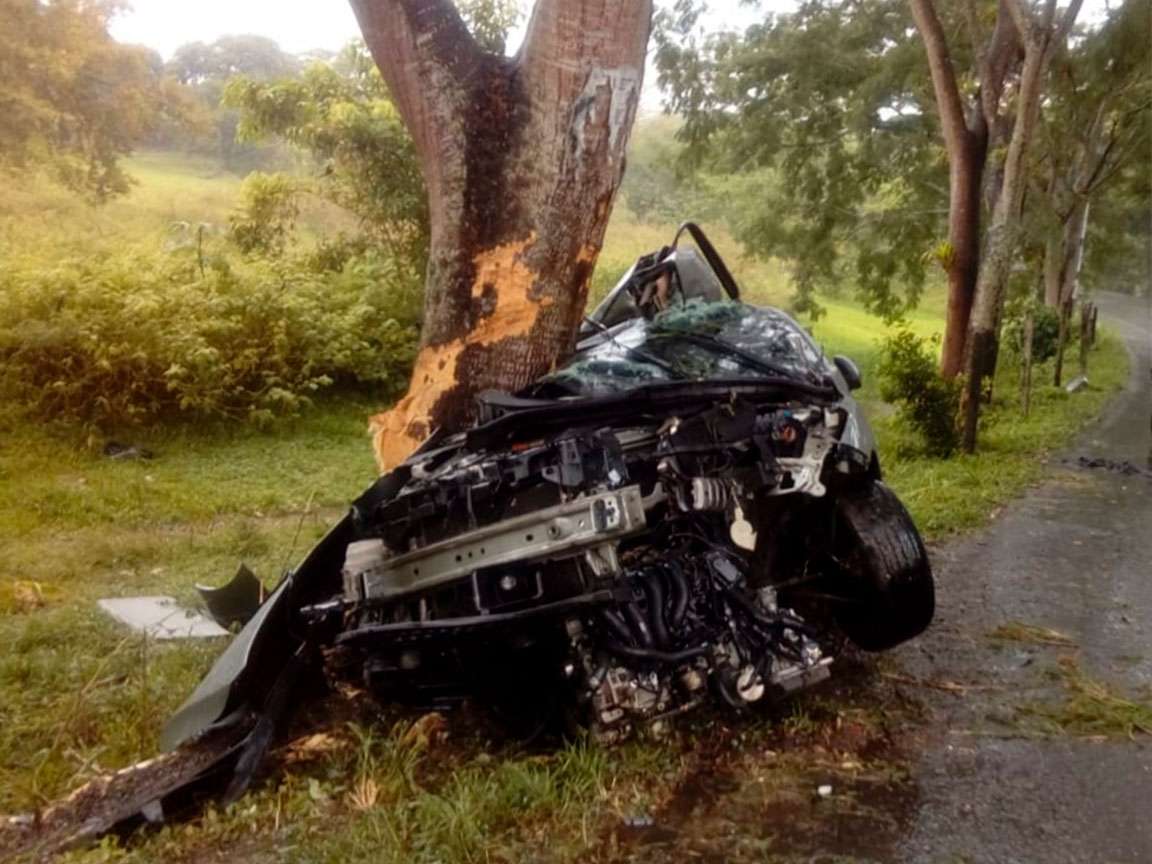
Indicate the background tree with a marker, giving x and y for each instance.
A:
(205, 69)
(521, 158)
(72, 99)
(340, 113)
(830, 101)
(972, 124)
(1042, 32)
(1094, 124)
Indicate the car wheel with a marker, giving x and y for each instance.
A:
(882, 570)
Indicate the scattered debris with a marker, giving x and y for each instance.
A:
(22, 596)
(1092, 709)
(1016, 631)
(946, 686)
(116, 450)
(139, 790)
(428, 730)
(1119, 466)
(235, 602)
(161, 618)
(1077, 383)
(824, 791)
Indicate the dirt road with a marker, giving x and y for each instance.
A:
(984, 778)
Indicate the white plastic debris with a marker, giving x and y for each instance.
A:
(824, 791)
(161, 618)
(1077, 383)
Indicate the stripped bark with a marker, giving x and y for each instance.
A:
(522, 158)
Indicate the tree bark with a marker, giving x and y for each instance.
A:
(1039, 37)
(967, 153)
(1026, 362)
(522, 158)
(966, 129)
(1063, 253)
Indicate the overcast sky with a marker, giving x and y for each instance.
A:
(301, 25)
(298, 25)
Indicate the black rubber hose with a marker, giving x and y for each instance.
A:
(783, 621)
(725, 684)
(639, 627)
(678, 589)
(655, 654)
(654, 593)
(616, 624)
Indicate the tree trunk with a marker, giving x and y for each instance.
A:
(1063, 253)
(522, 158)
(1062, 341)
(967, 154)
(966, 170)
(1086, 310)
(1026, 361)
(1001, 242)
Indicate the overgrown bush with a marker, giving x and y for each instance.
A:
(1045, 331)
(263, 222)
(909, 378)
(142, 337)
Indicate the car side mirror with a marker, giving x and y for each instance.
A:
(849, 370)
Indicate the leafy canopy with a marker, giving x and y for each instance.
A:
(73, 100)
(836, 101)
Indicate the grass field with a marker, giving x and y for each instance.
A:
(78, 696)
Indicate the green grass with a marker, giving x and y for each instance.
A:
(78, 696)
(40, 218)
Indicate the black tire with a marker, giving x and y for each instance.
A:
(882, 569)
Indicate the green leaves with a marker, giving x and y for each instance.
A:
(910, 379)
(364, 159)
(834, 103)
(140, 338)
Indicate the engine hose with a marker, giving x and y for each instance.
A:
(654, 593)
(727, 690)
(783, 621)
(616, 624)
(655, 654)
(639, 627)
(678, 589)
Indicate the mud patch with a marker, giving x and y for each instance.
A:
(1115, 466)
(829, 781)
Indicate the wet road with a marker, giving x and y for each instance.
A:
(1074, 555)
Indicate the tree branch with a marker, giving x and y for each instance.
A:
(1021, 14)
(940, 66)
(1001, 57)
(572, 34)
(422, 48)
(1069, 19)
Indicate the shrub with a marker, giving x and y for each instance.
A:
(142, 337)
(928, 404)
(1045, 332)
(263, 221)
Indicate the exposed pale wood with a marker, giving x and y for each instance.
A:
(522, 158)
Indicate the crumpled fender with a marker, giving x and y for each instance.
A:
(244, 674)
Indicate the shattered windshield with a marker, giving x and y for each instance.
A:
(699, 340)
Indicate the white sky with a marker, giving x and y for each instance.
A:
(301, 25)
(298, 25)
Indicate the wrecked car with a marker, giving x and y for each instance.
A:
(690, 510)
